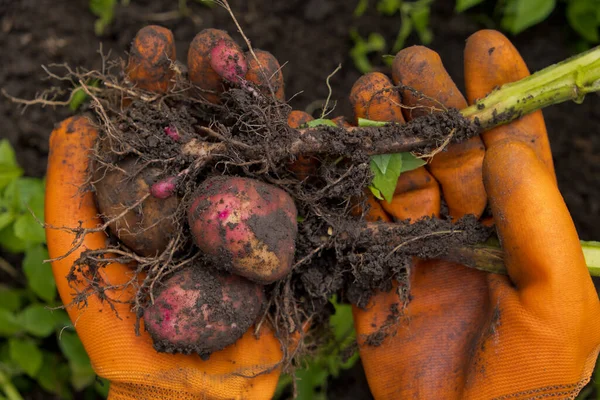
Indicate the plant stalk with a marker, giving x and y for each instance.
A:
(488, 257)
(570, 79)
(8, 388)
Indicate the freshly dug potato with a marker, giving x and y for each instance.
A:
(202, 75)
(198, 311)
(147, 228)
(227, 59)
(248, 227)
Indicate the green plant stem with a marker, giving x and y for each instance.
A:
(488, 257)
(570, 79)
(8, 388)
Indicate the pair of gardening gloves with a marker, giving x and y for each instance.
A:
(464, 334)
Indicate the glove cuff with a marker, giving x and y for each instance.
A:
(132, 391)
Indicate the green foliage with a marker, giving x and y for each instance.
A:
(105, 11)
(518, 15)
(584, 18)
(334, 357)
(37, 343)
(414, 17)
(375, 43)
(79, 96)
(462, 5)
(387, 168)
(522, 14)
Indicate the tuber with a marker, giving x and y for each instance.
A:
(227, 59)
(200, 311)
(248, 227)
(145, 228)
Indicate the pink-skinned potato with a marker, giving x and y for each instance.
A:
(246, 226)
(200, 311)
(146, 228)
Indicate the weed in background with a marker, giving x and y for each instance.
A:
(38, 345)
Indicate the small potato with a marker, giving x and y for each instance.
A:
(247, 226)
(147, 228)
(198, 311)
(227, 59)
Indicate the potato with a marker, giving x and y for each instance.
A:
(147, 228)
(247, 226)
(227, 59)
(199, 311)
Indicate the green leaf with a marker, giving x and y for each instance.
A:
(11, 201)
(10, 242)
(61, 319)
(382, 161)
(6, 218)
(376, 193)
(25, 353)
(420, 19)
(462, 5)
(361, 7)
(522, 14)
(82, 374)
(386, 183)
(362, 48)
(342, 323)
(309, 380)
(53, 376)
(104, 10)
(389, 7)
(39, 275)
(10, 299)
(387, 169)
(406, 28)
(584, 18)
(29, 195)
(79, 97)
(320, 122)
(7, 154)
(101, 385)
(37, 320)
(410, 162)
(28, 229)
(8, 174)
(9, 169)
(73, 349)
(9, 324)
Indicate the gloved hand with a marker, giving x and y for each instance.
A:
(467, 334)
(249, 368)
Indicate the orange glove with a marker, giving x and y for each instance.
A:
(465, 334)
(248, 369)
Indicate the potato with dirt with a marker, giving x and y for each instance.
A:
(247, 226)
(200, 311)
(143, 222)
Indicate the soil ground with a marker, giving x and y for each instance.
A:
(311, 38)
